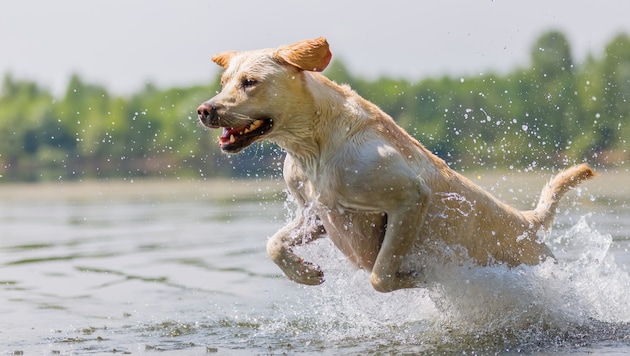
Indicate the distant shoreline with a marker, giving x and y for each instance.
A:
(508, 186)
(143, 189)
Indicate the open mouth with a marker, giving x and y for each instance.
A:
(234, 139)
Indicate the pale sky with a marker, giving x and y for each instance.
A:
(122, 44)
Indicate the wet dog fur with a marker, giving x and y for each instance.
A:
(360, 179)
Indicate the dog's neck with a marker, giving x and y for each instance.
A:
(312, 140)
(309, 137)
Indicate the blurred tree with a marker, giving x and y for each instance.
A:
(27, 127)
(338, 72)
(553, 112)
(616, 93)
(551, 93)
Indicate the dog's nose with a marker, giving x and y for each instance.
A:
(206, 109)
(207, 114)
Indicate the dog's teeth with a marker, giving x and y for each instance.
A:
(253, 126)
(232, 139)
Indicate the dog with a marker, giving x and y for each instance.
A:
(360, 179)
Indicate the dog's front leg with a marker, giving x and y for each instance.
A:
(403, 227)
(279, 248)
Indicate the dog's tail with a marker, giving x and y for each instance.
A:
(545, 211)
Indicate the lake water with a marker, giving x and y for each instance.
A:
(180, 268)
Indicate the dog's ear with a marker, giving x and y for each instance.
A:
(223, 59)
(311, 55)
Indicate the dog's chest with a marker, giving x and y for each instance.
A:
(357, 234)
(324, 197)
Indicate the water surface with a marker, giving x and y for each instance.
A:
(181, 268)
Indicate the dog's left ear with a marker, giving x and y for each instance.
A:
(311, 55)
(223, 59)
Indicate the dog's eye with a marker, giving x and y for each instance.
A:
(248, 83)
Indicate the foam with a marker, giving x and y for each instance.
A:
(582, 296)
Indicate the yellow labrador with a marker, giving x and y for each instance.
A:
(360, 179)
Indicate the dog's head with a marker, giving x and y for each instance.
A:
(258, 87)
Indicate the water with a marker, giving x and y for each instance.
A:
(166, 268)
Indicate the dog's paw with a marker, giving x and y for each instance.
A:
(306, 273)
(401, 280)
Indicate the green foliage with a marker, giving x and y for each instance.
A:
(553, 113)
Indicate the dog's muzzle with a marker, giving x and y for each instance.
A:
(237, 134)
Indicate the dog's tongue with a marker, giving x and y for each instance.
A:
(228, 134)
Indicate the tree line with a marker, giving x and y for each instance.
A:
(552, 113)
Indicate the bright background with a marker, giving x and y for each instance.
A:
(124, 44)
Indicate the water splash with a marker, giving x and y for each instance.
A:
(580, 300)
(579, 303)
(454, 202)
